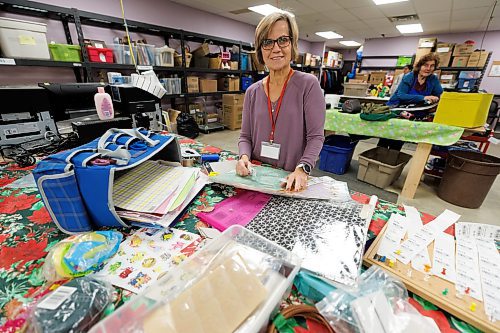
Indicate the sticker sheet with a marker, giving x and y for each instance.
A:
(146, 255)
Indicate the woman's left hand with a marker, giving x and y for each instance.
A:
(296, 181)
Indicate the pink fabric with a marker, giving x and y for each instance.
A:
(239, 209)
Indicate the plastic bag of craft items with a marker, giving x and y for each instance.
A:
(72, 308)
(232, 284)
(377, 304)
(81, 254)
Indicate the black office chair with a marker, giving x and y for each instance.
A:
(493, 115)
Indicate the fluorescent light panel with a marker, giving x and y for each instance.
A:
(268, 9)
(349, 43)
(410, 28)
(329, 34)
(385, 2)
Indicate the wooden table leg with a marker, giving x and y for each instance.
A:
(416, 169)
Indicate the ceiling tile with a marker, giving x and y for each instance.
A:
(354, 3)
(398, 9)
(477, 13)
(429, 6)
(462, 4)
(296, 7)
(369, 12)
(340, 15)
(320, 5)
(464, 26)
(378, 23)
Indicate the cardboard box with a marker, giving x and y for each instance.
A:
(255, 63)
(356, 81)
(462, 50)
(228, 84)
(460, 61)
(478, 59)
(421, 51)
(192, 84)
(448, 78)
(362, 77)
(444, 58)
(427, 42)
(377, 77)
(444, 47)
(233, 99)
(307, 59)
(234, 65)
(397, 72)
(207, 85)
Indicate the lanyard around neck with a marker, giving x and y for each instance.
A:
(278, 107)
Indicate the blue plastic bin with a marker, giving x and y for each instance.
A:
(336, 155)
(244, 61)
(246, 81)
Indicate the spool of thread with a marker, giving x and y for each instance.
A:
(187, 162)
(210, 158)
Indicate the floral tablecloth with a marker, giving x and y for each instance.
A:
(396, 129)
(27, 234)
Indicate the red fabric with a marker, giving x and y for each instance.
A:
(313, 327)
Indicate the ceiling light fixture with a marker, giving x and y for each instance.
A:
(268, 9)
(349, 43)
(329, 34)
(385, 2)
(410, 28)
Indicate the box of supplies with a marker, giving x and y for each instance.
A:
(463, 109)
(23, 39)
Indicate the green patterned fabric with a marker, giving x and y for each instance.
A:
(396, 129)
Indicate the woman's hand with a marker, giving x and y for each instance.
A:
(243, 166)
(297, 180)
(431, 99)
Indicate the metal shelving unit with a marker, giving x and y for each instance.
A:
(84, 70)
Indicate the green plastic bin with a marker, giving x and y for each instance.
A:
(65, 52)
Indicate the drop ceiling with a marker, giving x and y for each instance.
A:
(361, 19)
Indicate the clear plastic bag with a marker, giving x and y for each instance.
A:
(378, 303)
(81, 254)
(72, 308)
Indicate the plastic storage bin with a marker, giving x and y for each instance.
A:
(145, 54)
(23, 39)
(336, 154)
(355, 89)
(246, 81)
(381, 166)
(122, 54)
(100, 54)
(466, 84)
(165, 56)
(244, 61)
(463, 109)
(65, 52)
(271, 264)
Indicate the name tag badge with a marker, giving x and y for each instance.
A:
(270, 150)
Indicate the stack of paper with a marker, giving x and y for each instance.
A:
(155, 193)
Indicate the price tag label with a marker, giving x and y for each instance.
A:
(7, 61)
(77, 64)
(144, 68)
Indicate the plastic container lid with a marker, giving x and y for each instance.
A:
(10, 23)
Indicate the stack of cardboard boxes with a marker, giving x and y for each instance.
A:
(232, 109)
(425, 46)
(461, 54)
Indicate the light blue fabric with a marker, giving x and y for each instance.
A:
(405, 94)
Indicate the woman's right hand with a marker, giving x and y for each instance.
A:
(243, 166)
(431, 99)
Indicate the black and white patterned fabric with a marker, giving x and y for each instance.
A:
(329, 237)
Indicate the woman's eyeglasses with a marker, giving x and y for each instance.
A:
(283, 41)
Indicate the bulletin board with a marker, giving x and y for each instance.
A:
(432, 289)
(495, 69)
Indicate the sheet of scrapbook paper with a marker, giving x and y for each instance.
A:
(145, 255)
(329, 237)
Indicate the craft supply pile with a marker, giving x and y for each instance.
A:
(252, 257)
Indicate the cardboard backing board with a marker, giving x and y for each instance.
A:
(432, 289)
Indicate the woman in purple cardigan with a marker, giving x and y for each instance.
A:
(283, 114)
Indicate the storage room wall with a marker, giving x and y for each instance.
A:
(408, 46)
(163, 13)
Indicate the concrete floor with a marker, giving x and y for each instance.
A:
(425, 199)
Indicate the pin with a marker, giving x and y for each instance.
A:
(397, 252)
(467, 290)
(426, 277)
(443, 271)
(472, 307)
(445, 292)
(391, 263)
(408, 273)
(427, 268)
(382, 259)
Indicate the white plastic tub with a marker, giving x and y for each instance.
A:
(23, 39)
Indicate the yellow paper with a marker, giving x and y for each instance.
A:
(27, 40)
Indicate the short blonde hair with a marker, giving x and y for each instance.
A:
(265, 26)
